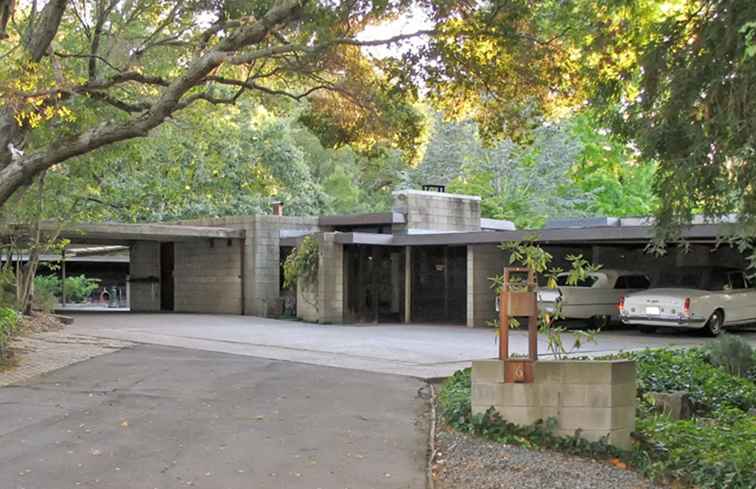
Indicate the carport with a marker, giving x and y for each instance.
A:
(445, 277)
(172, 267)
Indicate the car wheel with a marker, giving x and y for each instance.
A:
(647, 329)
(714, 324)
(600, 322)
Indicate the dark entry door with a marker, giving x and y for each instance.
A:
(167, 264)
(439, 284)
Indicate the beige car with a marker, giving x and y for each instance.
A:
(595, 298)
(709, 298)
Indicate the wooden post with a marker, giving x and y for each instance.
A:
(504, 319)
(518, 304)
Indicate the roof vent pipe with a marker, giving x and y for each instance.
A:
(278, 208)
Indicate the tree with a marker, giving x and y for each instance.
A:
(677, 78)
(570, 169)
(79, 76)
(616, 180)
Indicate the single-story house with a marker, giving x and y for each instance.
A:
(428, 260)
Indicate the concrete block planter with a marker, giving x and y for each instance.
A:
(596, 397)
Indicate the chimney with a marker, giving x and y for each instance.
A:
(278, 208)
(434, 188)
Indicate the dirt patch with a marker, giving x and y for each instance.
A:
(40, 322)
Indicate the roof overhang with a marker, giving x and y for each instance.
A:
(595, 235)
(374, 219)
(117, 233)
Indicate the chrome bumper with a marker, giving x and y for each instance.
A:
(667, 322)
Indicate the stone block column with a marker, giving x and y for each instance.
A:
(144, 276)
(330, 279)
(483, 262)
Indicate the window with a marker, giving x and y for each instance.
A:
(718, 281)
(632, 282)
(737, 281)
(678, 279)
(588, 281)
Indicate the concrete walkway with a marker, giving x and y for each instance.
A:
(157, 417)
(423, 351)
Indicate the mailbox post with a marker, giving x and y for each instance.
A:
(518, 300)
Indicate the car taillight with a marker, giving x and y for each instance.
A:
(686, 307)
(621, 304)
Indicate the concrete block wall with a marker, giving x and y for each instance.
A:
(483, 262)
(207, 276)
(307, 302)
(595, 397)
(144, 276)
(331, 298)
(262, 256)
(427, 212)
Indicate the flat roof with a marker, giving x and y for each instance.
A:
(76, 259)
(597, 235)
(371, 219)
(119, 233)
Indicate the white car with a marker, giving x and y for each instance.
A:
(704, 297)
(595, 298)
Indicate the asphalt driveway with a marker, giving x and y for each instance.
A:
(423, 351)
(161, 417)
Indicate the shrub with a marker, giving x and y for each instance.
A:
(302, 263)
(715, 451)
(731, 353)
(707, 453)
(454, 399)
(710, 388)
(79, 288)
(8, 327)
(7, 288)
(47, 290)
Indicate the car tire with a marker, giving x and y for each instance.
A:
(600, 322)
(647, 329)
(714, 324)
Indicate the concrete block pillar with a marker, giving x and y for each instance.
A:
(330, 279)
(483, 263)
(144, 276)
(408, 284)
(596, 398)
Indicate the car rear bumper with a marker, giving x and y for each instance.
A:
(670, 322)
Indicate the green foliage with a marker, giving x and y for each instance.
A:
(732, 353)
(676, 78)
(80, 287)
(7, 287)
(48, 289)
(530, 255)
(709, 387)
(572, 168)
(455, 408)
(712, 450)
(302, 263)
(9, 322)
(716, 453)
(615, 181)
(454, 399)
(46, 292)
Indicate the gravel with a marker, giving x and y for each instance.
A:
(466, 462)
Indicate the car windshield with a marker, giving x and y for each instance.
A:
(588, 281)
